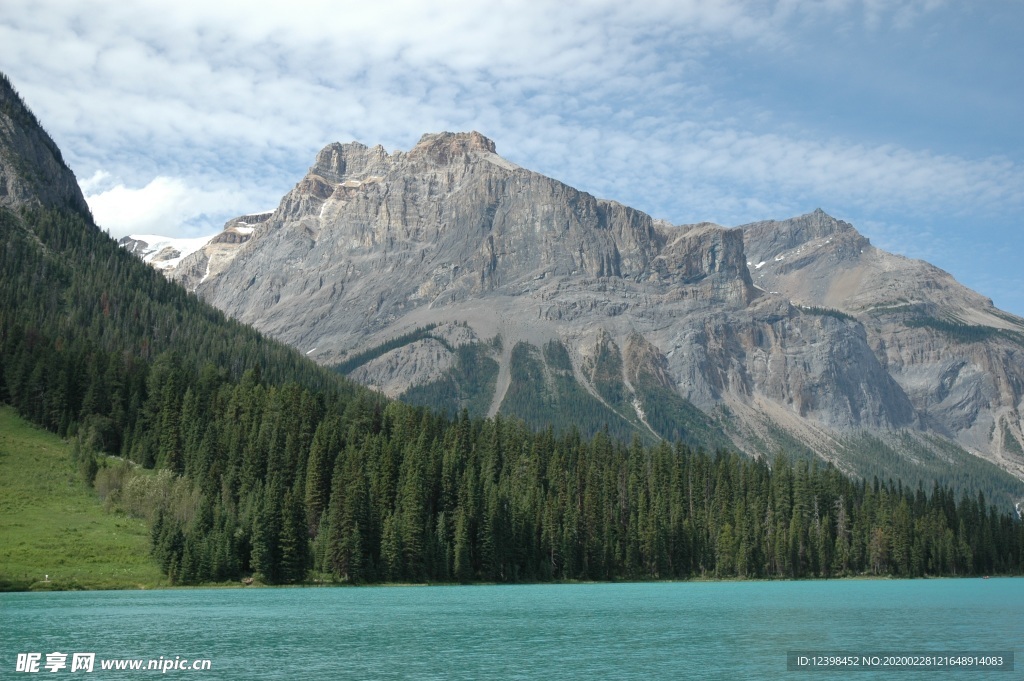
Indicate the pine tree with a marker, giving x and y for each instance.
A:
(266, 533)
(294, 540)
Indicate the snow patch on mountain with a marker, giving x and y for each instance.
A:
(163, 252)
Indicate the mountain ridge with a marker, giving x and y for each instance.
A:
(799, 324)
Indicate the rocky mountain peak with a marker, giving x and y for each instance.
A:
(447, 145)
(769, 238)
(353, 162)
(337, 163)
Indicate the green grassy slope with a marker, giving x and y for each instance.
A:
(51, 524)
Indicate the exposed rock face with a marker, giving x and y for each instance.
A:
(419, 362)
(957, 358)
(217, 253)
(818, 260)
(377, 237)
(371, 245)
(133, 245)
(32, 171)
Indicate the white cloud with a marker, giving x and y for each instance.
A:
(165, 205)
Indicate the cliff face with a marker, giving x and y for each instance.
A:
(796, 327)
(450, 222)
(32, 171)
(957, 358)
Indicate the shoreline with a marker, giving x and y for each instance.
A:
(57, 586)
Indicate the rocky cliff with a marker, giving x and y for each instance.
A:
(957, 358)
(32, 171)
(766, 335)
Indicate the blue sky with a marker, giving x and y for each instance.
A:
(902, 117)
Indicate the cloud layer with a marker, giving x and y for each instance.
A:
(165, 205)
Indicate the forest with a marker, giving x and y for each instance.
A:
(251, 462)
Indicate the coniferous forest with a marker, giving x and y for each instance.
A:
(250, 461)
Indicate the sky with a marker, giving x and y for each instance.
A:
(902, 117)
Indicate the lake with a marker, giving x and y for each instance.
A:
(703, 630)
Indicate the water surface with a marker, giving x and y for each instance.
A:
(706, 630)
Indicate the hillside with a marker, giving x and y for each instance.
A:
(54, 532)
(954, 355)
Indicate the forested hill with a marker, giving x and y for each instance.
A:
(67, 282)
(271, 467)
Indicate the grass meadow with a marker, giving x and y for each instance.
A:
(54, 531)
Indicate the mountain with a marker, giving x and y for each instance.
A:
(451, 277)
(248, 462)
(958, 358)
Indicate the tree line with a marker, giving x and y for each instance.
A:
(391, 493)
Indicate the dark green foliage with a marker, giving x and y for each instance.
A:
(88, 318)
(469, 384)
(826, 312)
(899, 307)
(1011, 443)
(97, 345)
(962, 333)
(442, 394)
(783, 441)
(88, 466)
(675, 418)
(607, 376)
(557, 356)
(529, 396)
(544, 391)
(922, 459)
(967, 333)
(359, 359)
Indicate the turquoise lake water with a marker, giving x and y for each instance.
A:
(717, 630)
